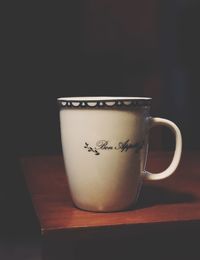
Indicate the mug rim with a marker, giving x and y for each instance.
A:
(101, 98)
(103, 102)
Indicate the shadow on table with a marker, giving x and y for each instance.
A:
(152, 195)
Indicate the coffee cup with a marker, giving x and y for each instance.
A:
(105, 147)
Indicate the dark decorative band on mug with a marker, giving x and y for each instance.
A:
(99, 104)
(104, 145)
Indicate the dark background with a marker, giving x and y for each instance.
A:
(120, 48)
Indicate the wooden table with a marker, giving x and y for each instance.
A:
(164, 224)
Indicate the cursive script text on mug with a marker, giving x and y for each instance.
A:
(122, 146)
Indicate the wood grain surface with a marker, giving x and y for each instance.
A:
(173, 200)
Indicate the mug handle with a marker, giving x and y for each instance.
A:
(155, 121)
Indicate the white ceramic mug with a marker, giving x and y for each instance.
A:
(105, 143)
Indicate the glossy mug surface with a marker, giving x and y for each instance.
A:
(105, 145)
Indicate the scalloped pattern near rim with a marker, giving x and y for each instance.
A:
(101, 102)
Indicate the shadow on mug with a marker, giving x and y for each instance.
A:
(153, 195)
